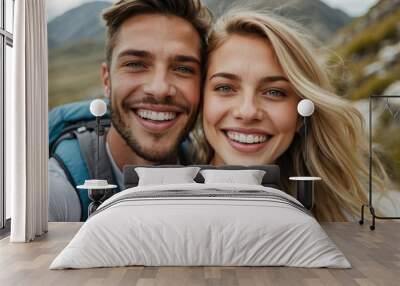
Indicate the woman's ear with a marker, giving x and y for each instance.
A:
(105, 75)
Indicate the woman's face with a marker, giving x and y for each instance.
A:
(250, 110)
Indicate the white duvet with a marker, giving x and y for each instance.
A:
(207, 230)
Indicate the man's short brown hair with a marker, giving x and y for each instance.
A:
(192, 11)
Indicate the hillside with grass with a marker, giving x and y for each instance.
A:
(75, 72)
(368, 61)
(369, 52)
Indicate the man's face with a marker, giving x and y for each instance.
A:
(154, 83)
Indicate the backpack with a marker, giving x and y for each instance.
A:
(72, 143)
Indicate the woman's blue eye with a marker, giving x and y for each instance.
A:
(223, 88)
(274, 93)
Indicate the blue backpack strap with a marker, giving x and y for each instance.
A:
(70, 158)
(62, 117)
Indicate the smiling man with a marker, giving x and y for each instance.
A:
(152, 76)
(155, 53)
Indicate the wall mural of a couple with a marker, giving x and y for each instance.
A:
(185, 89)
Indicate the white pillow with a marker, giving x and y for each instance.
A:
(248, 177)
(162, 176)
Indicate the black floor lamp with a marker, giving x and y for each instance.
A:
(369, 205)
(97, 187)
(305, 184)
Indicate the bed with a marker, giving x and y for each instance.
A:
(201, 224)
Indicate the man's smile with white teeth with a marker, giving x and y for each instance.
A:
(155, 115)
(247, 138)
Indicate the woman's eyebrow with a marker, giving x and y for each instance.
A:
(225, 75)
(274, 78)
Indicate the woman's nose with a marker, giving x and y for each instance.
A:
(248, 110)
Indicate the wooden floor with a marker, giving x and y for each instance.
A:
(374, 255)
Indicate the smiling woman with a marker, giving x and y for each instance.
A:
(249, 103)
(259, 67)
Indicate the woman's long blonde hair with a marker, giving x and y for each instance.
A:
(337, 142)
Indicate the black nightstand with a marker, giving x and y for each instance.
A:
(98, 192)
(305, 190)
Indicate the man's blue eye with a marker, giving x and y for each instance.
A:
(183, 69)
(223, 88)
(135, 65)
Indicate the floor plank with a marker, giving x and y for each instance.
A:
(374, 255)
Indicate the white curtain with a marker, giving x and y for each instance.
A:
(26, 123)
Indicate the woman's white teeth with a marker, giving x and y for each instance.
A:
(157, 116)
(246, 138)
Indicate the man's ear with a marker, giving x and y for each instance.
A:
(105, 74)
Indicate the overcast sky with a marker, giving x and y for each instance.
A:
(351, 7)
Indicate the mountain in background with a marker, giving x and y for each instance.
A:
(83, 22)
(322, 20)
(76, 41)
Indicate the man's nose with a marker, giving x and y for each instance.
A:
(248, 110)
(157, 84)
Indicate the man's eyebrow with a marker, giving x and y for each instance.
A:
(225, 75)
(185, 58)
(135, 53)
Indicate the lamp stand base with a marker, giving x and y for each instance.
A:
(374, 216)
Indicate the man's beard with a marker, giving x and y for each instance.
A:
(134, 142)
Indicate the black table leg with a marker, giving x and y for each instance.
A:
(305, 193)
(96, 196)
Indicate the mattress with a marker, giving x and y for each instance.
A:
(201, 225)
